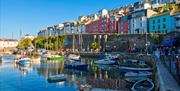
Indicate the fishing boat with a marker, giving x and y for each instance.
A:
(56, 58)
(56, 78)
(77, 66)
(134, 69)
(105, 62)
(143, 85)
(133, 76)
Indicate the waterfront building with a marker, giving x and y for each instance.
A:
(41, 33)
(161, 23)
(177, 21)
(8, 43)
(138, 17)
(92, 27)
(124, 23)
(163, 1)
(82, 21)
(70, 27)
(57, 30)
(52, 31)
(104, 23)
(92, 24)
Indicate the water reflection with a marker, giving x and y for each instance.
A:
(106, 77)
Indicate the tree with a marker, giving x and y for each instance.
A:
(39, 42)
(155, 38)
(25, 43)
(95, 45)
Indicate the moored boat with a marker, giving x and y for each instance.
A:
(112, 57)
(133, 76)
(24, 61)
(105, 62)
(56, 58)
(56, 78)
(143, 85)
(134, 69)
(77, 66)
(73, 57)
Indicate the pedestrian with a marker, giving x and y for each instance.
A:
(157, 53)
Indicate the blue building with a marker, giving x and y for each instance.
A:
(161, 23)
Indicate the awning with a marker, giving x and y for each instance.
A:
(166, 44)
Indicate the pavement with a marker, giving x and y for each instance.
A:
(167, 82)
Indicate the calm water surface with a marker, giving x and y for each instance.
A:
(34, 77)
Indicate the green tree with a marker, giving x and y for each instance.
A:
(155, 38)
(25, 43)
(95, 45)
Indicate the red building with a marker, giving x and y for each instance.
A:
(105, 24)
(123, 24)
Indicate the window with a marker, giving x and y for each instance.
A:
(158, 20)
(153, 27)
(140, 19)
(153, 21)
(164, 25)
(164, 19)
(165, 31)
(159, 26)
(141, 24)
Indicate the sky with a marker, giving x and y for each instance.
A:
(20, 17)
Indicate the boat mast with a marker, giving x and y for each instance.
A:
(73, 42)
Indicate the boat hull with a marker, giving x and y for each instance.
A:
(130, 69)
(56, 78)
(77, 67)
(104, 62)
(140, 86)
(61, 58)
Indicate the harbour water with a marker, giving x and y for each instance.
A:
(34, 77)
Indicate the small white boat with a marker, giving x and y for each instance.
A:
(143, 85)
(73, 57)
(56, 78)
(105, 62)
(24, 61)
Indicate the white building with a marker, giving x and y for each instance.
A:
(8, 43)
(138, 17)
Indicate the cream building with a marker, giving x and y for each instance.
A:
(8, 43)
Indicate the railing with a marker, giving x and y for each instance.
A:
(172, 62)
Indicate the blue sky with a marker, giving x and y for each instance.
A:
(30, 16)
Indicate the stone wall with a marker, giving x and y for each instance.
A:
(108, 42)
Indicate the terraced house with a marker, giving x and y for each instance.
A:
(138, 17)
(161, 23)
